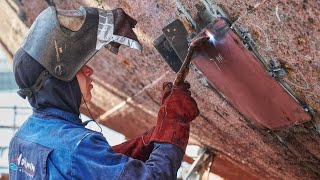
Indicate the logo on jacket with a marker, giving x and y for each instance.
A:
(20, 163)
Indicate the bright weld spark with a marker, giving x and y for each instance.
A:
(212, 39)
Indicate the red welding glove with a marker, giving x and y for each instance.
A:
(137, 148)
(177, 110)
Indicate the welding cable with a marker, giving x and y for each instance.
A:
(92, 119)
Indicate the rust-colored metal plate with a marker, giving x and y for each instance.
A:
(236, 73)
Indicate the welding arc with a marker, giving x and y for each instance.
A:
(184, 69)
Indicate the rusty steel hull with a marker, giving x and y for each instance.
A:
(242, 80)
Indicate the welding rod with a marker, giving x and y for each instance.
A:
(184, 69)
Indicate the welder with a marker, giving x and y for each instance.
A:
(51, 72)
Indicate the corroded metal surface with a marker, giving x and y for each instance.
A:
(230, 170)
(288, 154)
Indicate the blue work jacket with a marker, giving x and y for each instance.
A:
(53, 144)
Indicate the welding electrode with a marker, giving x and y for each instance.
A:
(184, 70)
(213, 33)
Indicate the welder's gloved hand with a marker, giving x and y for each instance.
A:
(137, 148)
(115, 29)
(177, 110)
(178, 100)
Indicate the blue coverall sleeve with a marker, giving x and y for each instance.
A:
(95, 159)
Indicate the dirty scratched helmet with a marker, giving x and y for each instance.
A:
(63, 52)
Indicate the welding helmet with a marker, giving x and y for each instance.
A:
(63, 52)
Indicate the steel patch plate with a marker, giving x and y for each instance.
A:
(236, 73)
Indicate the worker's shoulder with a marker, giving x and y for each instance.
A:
(56, 134)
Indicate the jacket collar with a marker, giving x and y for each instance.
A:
(57, 113)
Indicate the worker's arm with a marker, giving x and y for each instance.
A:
(95, 159)
(163, 163)
(174, 102)
(137, 148)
